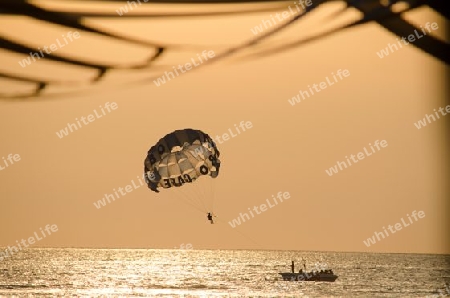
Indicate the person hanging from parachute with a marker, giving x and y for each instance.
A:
(180, 158)
(210, 217)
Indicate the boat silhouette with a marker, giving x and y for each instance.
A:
(322, 275)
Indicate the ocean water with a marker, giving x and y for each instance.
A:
(216, 273)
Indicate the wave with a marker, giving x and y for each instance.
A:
(187, 287)
(27, 286)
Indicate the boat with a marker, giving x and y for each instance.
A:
(322, 275)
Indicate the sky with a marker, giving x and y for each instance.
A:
(286, 148)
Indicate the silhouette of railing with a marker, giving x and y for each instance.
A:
(381, 12)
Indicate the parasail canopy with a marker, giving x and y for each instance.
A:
(181, 157)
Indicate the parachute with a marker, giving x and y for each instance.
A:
(179, 158)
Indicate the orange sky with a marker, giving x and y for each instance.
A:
(287, 149)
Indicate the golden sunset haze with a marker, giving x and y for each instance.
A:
(288, 146)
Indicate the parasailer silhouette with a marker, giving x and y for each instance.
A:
(171, 163)
(210, 217)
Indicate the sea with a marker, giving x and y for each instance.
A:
(72, 272)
